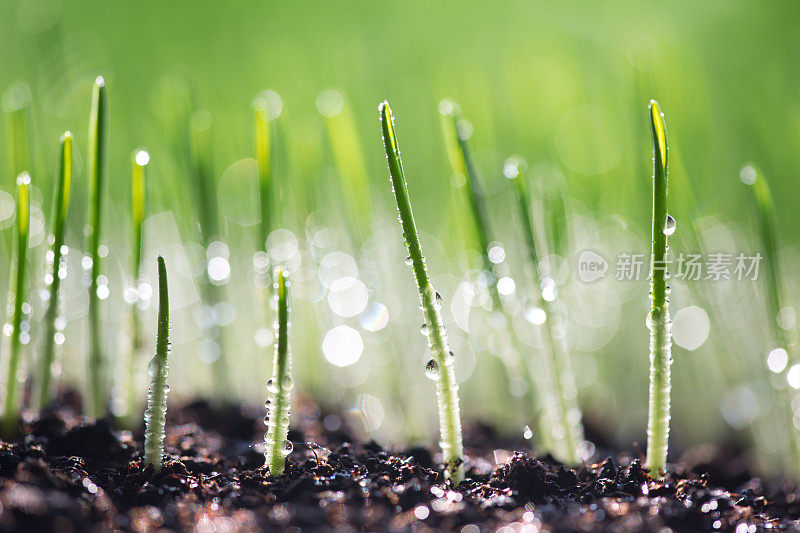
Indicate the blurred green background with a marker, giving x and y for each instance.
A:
(564, 84)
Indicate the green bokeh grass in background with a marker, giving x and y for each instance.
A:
(564, 84)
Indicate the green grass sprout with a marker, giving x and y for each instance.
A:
(279, 404)
(441, 366)
(11, 405)
(556, 356)
(658, 320)
(155, 416)
(457, 133)
(263, 144)
(784, 331)
(98, 124)
(57, 263)
(212, 287)
(348, 156)
(139, 162)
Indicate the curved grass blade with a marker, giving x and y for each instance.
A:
(279, 404)
(441, 365)
(98, 123)
(557, 358)
(155, 417)
(658, 321)
(57, 268)
(11, 404)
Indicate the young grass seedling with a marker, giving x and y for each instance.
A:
(11, 409)
(777, 300)
(552, 435)
(56, 256)
(217, 266)
(441, 366)
(155, 416)
(556, 354)
(280, 385)
(658, 321)
(263, 143)
(98, 123)
(138, 204)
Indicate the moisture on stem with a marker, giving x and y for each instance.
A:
(57, 264)
(279, 387)
(11, 405)
(441, 365)
(156, 414)
(658, 321)
(98, 122)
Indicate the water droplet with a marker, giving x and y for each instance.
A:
(288, 383)
(527, 433)
(669, 226)
(424, 329)
(409, 261)
(438, 299)
(272, 387)
(287, 447)
(432, 370)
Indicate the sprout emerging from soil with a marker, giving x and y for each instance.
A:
(11, 405)
(56, 258)
(563, 391)
(98, 122)
(280, 385)
(155, 416)
(441, 364)
(658, 320)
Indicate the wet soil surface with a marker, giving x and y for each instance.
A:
(66, 473)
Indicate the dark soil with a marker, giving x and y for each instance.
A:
(72, 475)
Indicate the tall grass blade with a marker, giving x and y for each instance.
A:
(155, 417)
(98, 123)
(457, 133)
(58, 267)
(279, 404)
(778, 306)
(658, 320)
(556, 356)
(139, 162)
(349, 158)
(263, 142)
(212, 290)
(11, 405)
(441, 366)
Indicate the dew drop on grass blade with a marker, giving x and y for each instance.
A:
(658, 320)
(446, 385)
